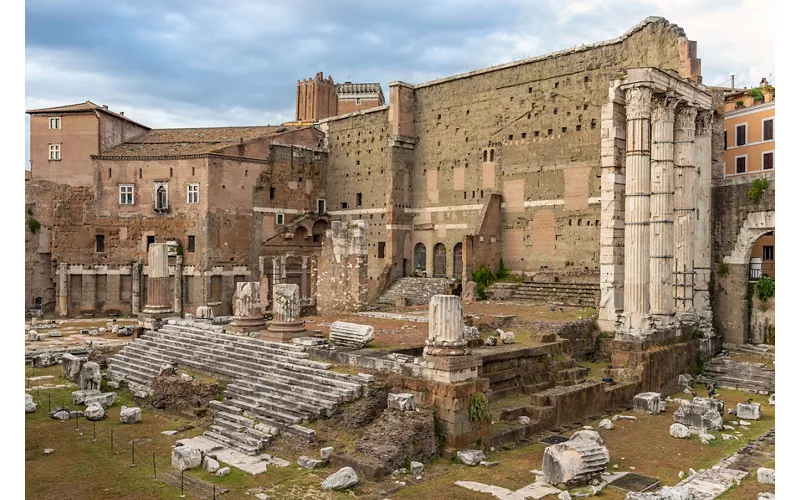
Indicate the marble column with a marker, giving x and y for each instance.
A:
(304, 279)
(247, 312)
(63, 290)
(159, 298)
(661, 207)
(702, 250)
(445, 327)
(136, 287)
(637, 207)
(177, 287)
(685, 210)
(286, 309)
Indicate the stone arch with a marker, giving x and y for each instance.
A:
(439, 260)
(419, 257)
(319, 229)
(755, 225)
(458, 262)
(300, 234)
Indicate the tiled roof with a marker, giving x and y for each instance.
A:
(188, 141)
(81, 107)
(358, 88)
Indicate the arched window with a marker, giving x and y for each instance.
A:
(419, 257)
(439, 261)
(457, 261)
(161, 197)
(140, 173)
(485, 155)
(318, 230)
(491, 155)
(37, 303)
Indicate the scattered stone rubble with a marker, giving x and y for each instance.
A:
(470, 457)
(340, 480)
(766, 476)
(186, 457)
(71, 366)
(94, 412)
(402, 402)
(647, 402)
(700, 415)
(351, 334)
(679, 431)
(89, 377)
(30, 406)
(748, 411)
(665, 493)
(130, 415)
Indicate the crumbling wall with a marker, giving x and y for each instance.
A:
(342, 278)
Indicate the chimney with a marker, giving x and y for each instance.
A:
(764, 82)
(105, 106)
(732, 85)
(121, 113)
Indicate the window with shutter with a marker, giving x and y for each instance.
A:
(767, 136)
(768, 161)
(741, 135)
(741, 164)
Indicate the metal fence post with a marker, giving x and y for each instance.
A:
(182, 495)
(133, 453)
(112, 441)
(154, 466)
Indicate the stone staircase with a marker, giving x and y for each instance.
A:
(275, 387)
(739, 375)
(418, 291)
(573, 294)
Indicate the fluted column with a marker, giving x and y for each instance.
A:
(136, 287)
(177, 287)
(637, 205)
(159, 299)
(63, 290)
(661, 206)
(286, 309)
(685, 179)
(446, 327)
(702, 239)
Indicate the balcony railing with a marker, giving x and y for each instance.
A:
(757, 269)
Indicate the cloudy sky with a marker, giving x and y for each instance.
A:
(181, 63)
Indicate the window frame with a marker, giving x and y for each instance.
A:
(764, 253)
(99, 243)
(52, 120)
(280, 219)
(736, 133)
(324, 206)
(736, 164)
(190, 243)
(159, 185)
(358, 101)
(765, 153)
(132, 194)
(195, 192)
(54, 148)
(763, 123)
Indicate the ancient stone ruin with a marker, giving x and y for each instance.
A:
(351, 334)
(247, 313)
(577, 461)
(286, 323)
(700, 415)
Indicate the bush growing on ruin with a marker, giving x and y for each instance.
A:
(478, 407)
(33, 225)
(765, 287)
(758, 187)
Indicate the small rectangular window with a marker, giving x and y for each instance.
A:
(344, 205)
(55, 151)
(190, 243)
(150, 240)
(193, 193)
(126, 194)
(99, 243)
(321, 209)
(741, 135)
(271, 193)
(769, 252)
(725, 141)
(279, 219)
(768, 161)
(741, 164)
(768, 132)
(55, 123)
(358, 101)
(381, 249)
(358, 199)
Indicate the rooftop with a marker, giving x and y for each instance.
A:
(82, 107)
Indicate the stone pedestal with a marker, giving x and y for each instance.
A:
(159, 295)
(247, 313)
(446, 351)
(285, 324)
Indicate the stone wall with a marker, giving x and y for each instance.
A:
(342, 279)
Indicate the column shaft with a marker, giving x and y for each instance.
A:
(136, 288)
(637, 203)
(685, 210)
(63, 290)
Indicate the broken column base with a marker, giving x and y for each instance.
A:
(452, 369)
(152, 320)
(285, 331)
(246, 324)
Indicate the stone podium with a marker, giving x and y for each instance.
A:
(247, 313)
(285, 324)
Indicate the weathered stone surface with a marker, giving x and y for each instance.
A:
(94, 412)
(71, 366)
(772, 399)
(89, 377)
(34, 336)
(748, 411)
(507, 337)
(186, 457)
(700, 414)
(470, 457)
(105, 399)
(204, 312)
(564, 495)
(766, 496)
(351, 334)
(210, 465)
(60, 415)
(766, 476)
(79, 397)
(665, 493)
(403, 401)
(340, 480)
(679, 431)
(523, 420)
(309, 463)
(685, 379)
(491, 340)
(577, 461)
(416, 468)
(606, 424)
(647, 402)
(325, 453)
(55, 333)
(468, 294)
(262, 496)
(44, 360)
(130, 415)
(707, 437)
(166, 370)
(471, 332)
(223, 472)
(30, 406)
(445, 327)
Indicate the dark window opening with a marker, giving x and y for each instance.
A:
(555, 111)
(769, 252)
(190, 243)
(192, 171)
(358, 162)
(491, 155)
(344, 205)
(381, 249)
(530, 90)
(511, 137)
(524, 135)
(741, 165)
(99, 243)
(438, 117)
(320, 207)
(358, 199)
(536, 133)
(109, 173)
(161, 197)
(465, 195)
(37, 303)
(549, 131)
(481, 193)
(563, 129)
(271, 193)
(768, 161)
(585, 106)
(170, 171)
(768, 132)
(245, 172)
(741, 135)
(725, 141)
(140, 173)
(150, 240)
(577, 128)
(594, 123)
(556, 85)
(485, 154)
(585, 79)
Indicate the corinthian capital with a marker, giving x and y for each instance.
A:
(704, 121)
(684, 119)
(664, 107)
(637, 102)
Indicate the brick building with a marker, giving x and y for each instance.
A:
(319, 98)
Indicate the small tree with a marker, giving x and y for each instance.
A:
(765, 287)
(33, 225)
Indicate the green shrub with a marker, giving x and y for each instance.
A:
(502, 272)
(722, 269)
(765, 287)
(478, 407)
(758, 187)
(483, 276)
(33, 225)
(756, 94)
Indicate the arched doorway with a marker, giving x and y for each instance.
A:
(161, 198)
(300, 235)
(439, 261)
(37, 303)
(419, 258)
(457, 261)
(318, 230)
